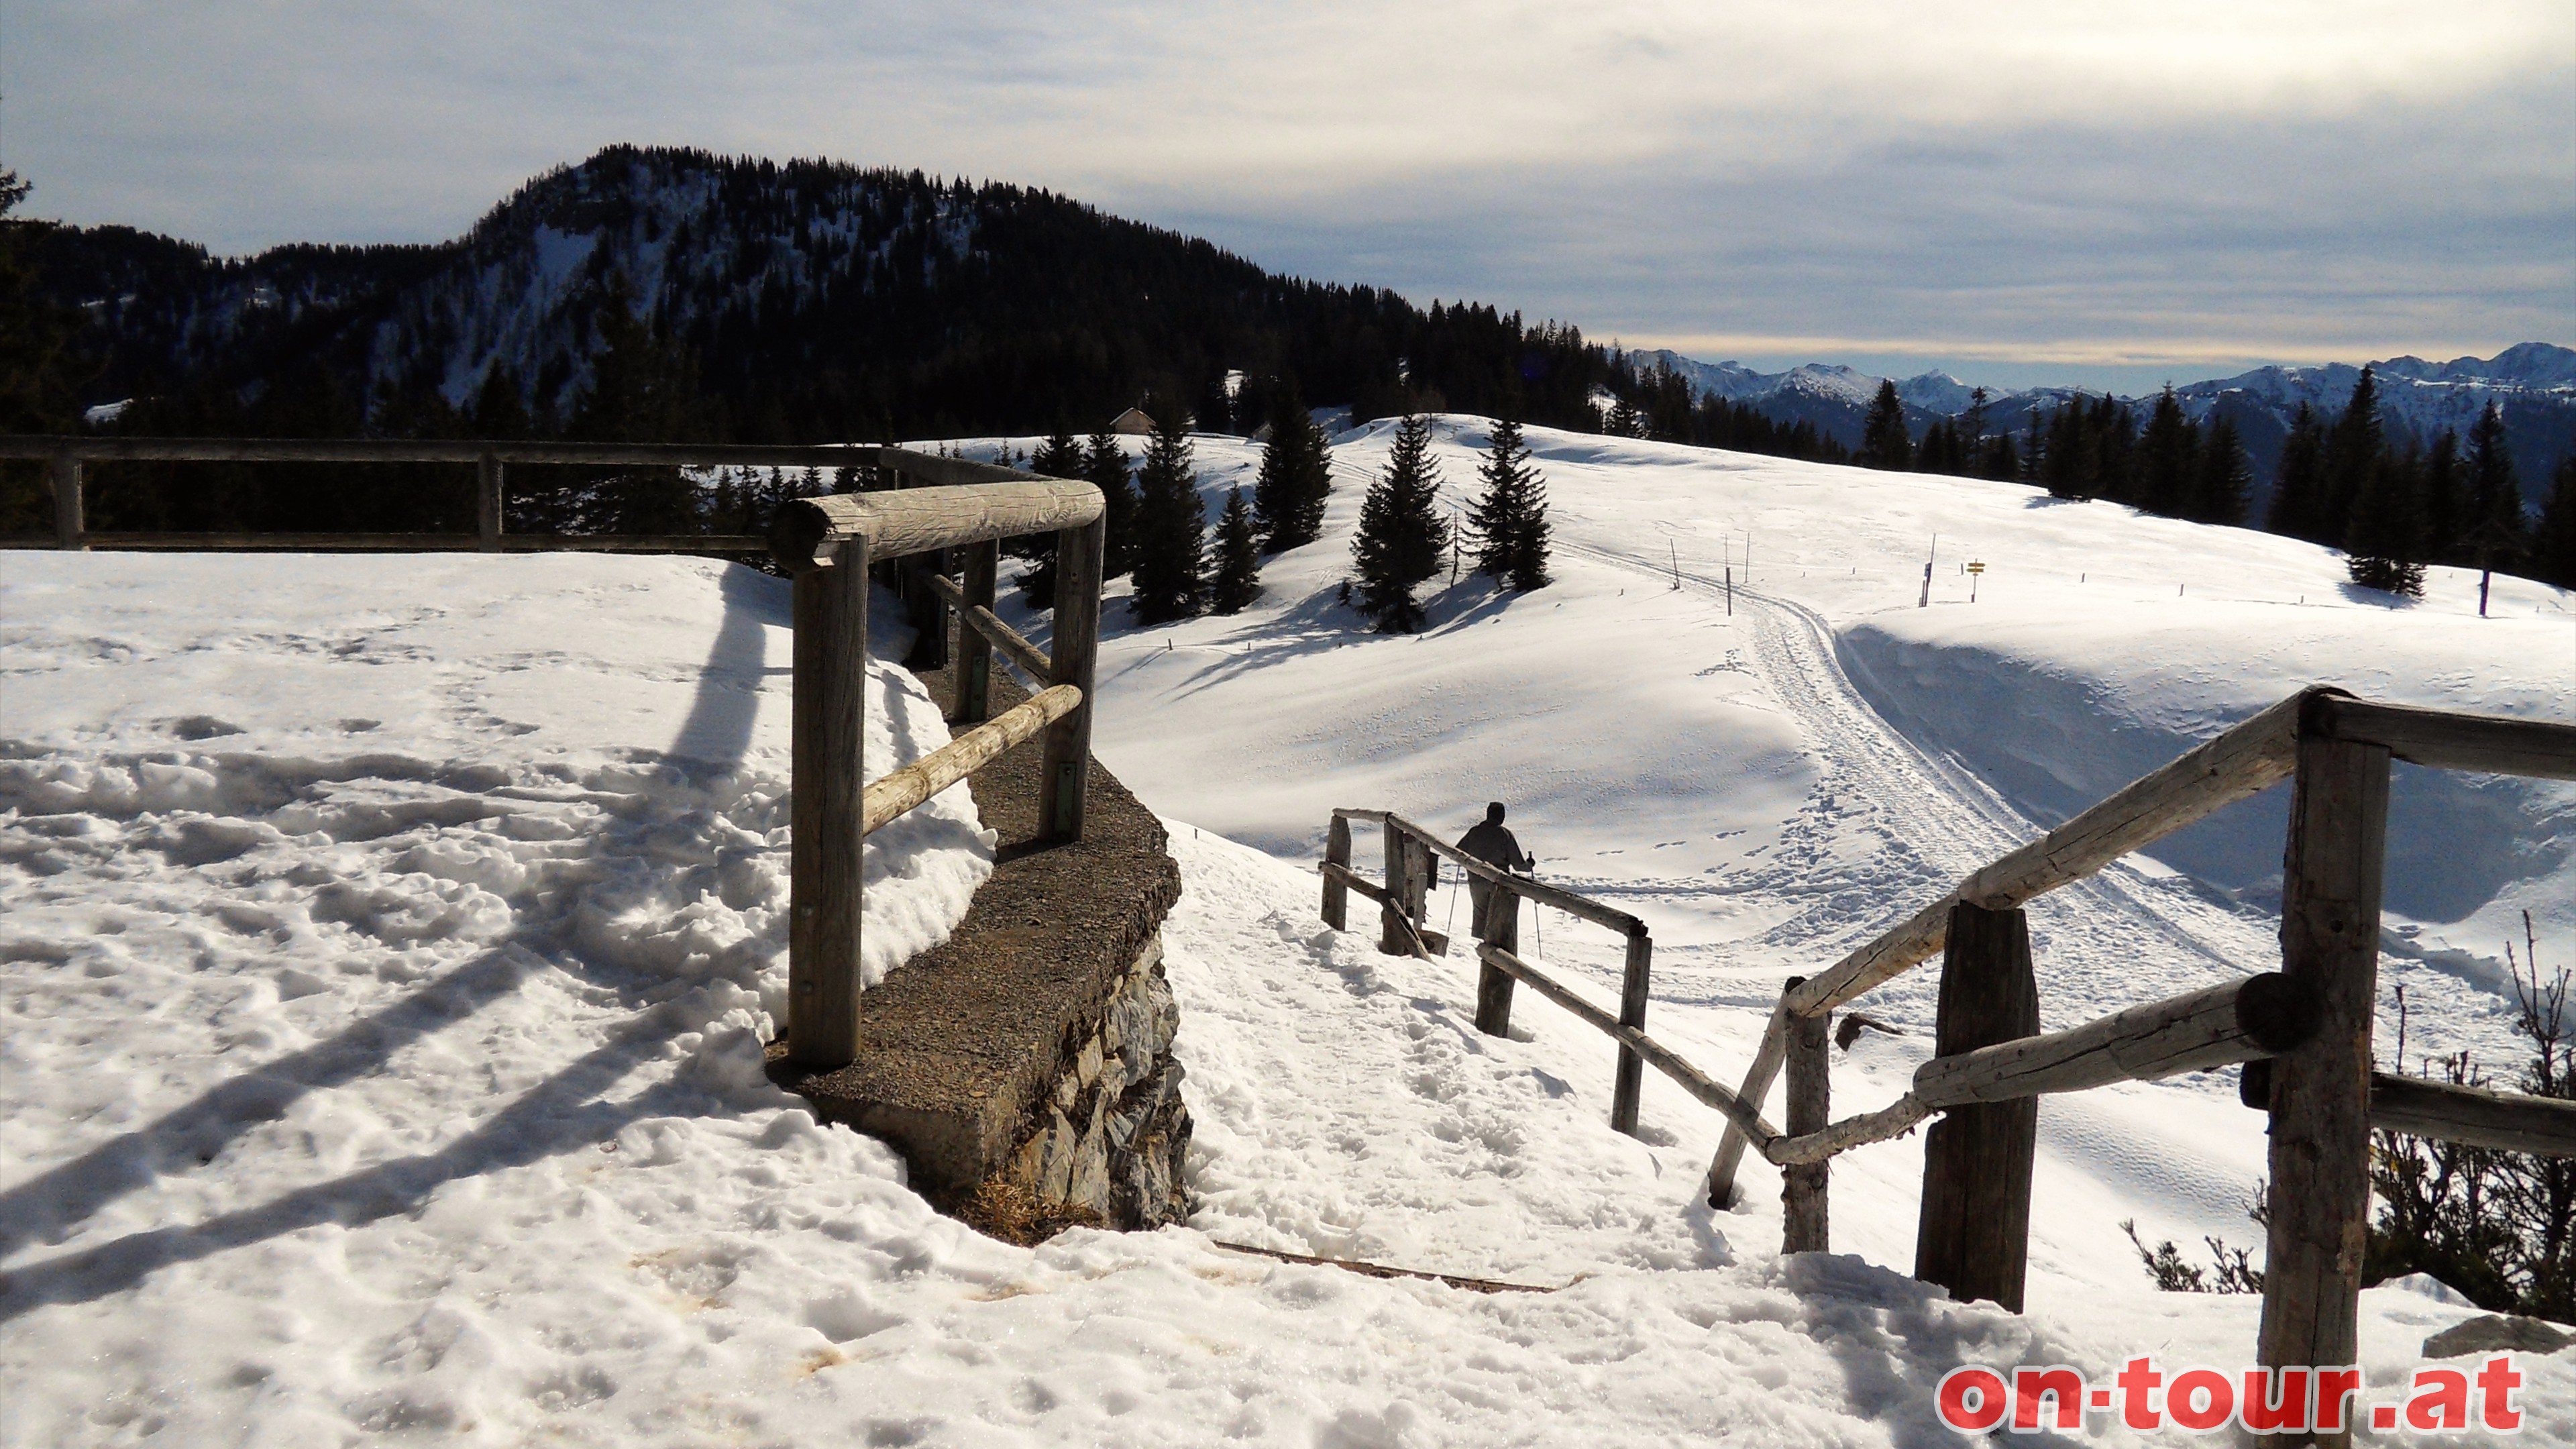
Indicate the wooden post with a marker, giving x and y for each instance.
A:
(1394, 913)
(2320, 1098)
(1973, 1237)
(1803, 1222)
(1074, 650)
(487, 502)
(1500, 925)
(828, 787)
(974, 651)
(1418, 869)
(927, 610)
(1632, 1012)
(1757, 1085)
(70, 529)
(1337, 896)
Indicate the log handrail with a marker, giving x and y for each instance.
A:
(906, 789)
(2446, 740)
(2473, 1116)
(1544, 894)
(1691, 1079)
(1014, 645)
(807, 532)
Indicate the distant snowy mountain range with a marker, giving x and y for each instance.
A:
(2535, 383)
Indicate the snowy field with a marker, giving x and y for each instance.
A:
(384, 958)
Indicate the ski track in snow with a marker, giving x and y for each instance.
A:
(1890, 826)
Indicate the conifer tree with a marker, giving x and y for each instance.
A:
(1508, 521)
(1171, 528)
(1104, 466)
(1296, 477)
(2298, 508)
(643, 389)
(1059, 457)
(2553, 544)
(2225, 488)
(2352, 452)
(1237, 579)
(2168, 471)
(1883, 441)
(1622, 420)
(1401, 532)
(2494, 493)
(2443, 501)
(2385, 542)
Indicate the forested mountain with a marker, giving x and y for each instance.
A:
(810, 301)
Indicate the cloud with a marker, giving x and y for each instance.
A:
(2010, 180)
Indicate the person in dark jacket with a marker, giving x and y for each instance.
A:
(1492, 844)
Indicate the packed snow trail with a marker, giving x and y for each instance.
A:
(1921, 823)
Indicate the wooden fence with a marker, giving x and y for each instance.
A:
(924, 509)
(2302, 1033)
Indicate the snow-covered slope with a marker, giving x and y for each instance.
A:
(378, 1056)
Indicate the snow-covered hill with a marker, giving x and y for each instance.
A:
(379, 1020)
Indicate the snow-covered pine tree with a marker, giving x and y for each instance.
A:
(1883, 442)
(1104, 466)
(1401, 531)
(1171, 528)
(1288, 495)
(1236, 581)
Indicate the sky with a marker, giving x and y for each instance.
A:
(2111, 194)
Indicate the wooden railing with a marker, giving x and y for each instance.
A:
(923, 506)
(2303, 1034)
(1401, 902)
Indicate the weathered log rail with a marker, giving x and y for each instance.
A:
(2303, 1034)
(1410, 851)
(917, 504)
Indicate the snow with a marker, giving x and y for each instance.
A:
(387, 944)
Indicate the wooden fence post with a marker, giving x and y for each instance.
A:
(487, 503)
(1394, 913)
(1419, 868)
(70, 528)
(1632, 1012)
(2320, 1092)
(1337, 896)
(927, 610)
(1973, 1237)
(828, 784)
(1499, 925)
(1804, 1227)
(974, 651)
(1075, 651)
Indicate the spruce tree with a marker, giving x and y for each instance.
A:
(1530, 543)
(2385, 541)
(1296, 476)
(2225, 488)
(2445, 503)
(1059, 457)
(2553, 544)
(2298, 508)
(1401, 532)
(1494, 516)
(2168, 470)
(1104, 466)
(1883, 442)
(1237, 579)
(2494, 491)
(1622, 420)
(1171, 528)
(2352, 453)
